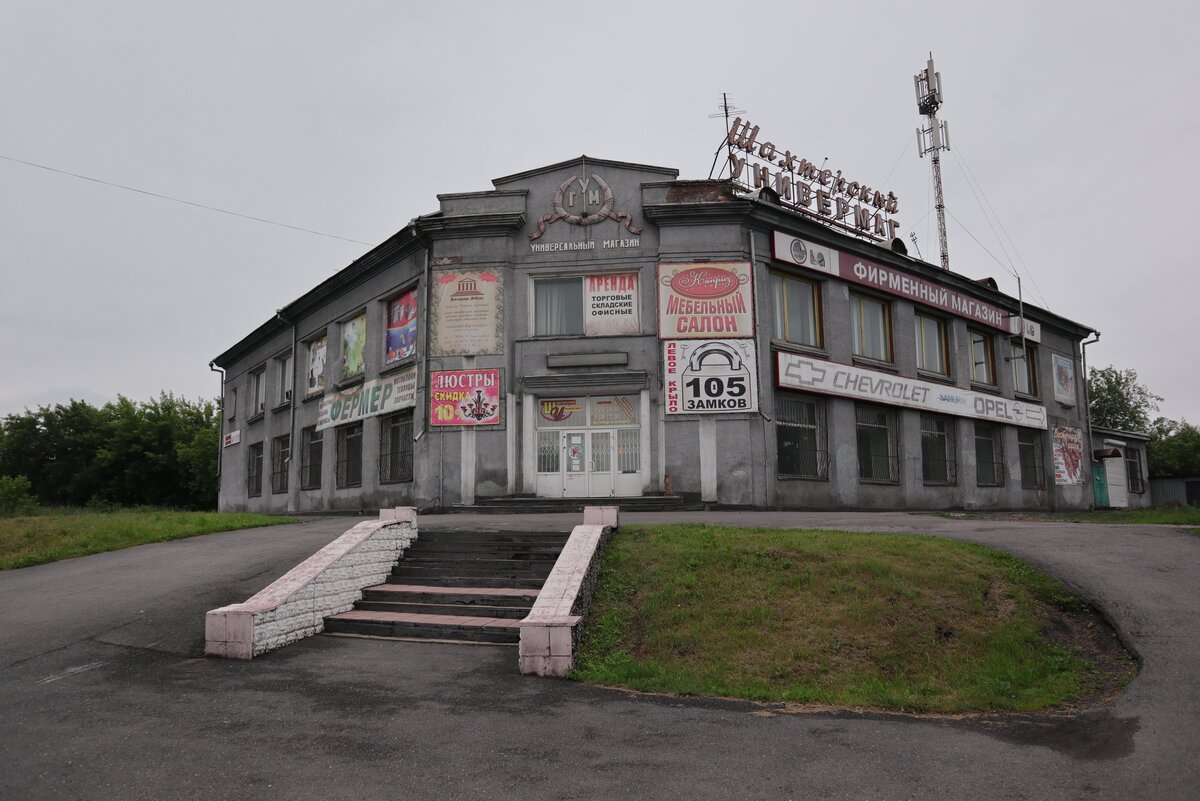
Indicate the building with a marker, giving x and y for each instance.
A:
(598, 328)
(1120, 473)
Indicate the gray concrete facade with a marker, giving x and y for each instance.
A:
(729, 458)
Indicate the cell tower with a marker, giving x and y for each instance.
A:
(933, 140)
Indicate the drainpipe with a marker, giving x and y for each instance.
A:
(291, 413)
(220, 427)
(1087, 411)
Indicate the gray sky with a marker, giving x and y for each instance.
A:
(350, 117)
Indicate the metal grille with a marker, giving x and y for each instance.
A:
(396, 448)
(800, 438)
(1029, 451)
(989, 456)
(349, 456)
(311, 451)
(938, 461)
(549, 449)
(281, 458)
(629, 450)
(876, 436)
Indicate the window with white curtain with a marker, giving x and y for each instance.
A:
(558, 306)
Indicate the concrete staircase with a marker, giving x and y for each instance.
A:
(471, 587)
(528, 504)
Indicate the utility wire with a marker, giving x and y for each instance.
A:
(180, 200)
(985, 250)
(899, 159)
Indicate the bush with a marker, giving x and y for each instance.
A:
(15, 496)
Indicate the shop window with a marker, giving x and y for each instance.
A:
(349, 455)
(354, 340)
(871, 328)
(558, 306)
(258, 390)
(800, 445)
(989, 455)
(629, 450)
(1029, 453)
(877, 451)
(315, 369)
(1024, 364)
(933, 355)
(396, 447)
(796, 307)
(311, 452)
(1133, 470)
(254, 467)
(938, 450)
(549, 447)
(283, 379)
(281, 458)
(983, 358)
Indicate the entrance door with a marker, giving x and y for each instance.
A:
(1118, 497)
(575, 464)
(601, 481)
(1100, 485)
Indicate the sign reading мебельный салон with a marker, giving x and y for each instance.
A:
(848, 267)
(378, 396)
(705, 300)
(813, 375)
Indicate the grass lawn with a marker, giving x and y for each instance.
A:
(1183, 516)
(873, 620)
(62, 534)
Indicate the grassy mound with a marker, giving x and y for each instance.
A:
(889, 621)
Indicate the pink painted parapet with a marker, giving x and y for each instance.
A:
(550, 634)
(328, 582)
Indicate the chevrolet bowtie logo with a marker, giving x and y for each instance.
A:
(805, 372)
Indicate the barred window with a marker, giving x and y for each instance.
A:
(938, 450)
(1133, 470)
(989, 455)
(311, 450)
(349, 455)
(800, 437)
(281, 458)
(254, 466)
(877, 451)
(1029, 452)
(396, 448)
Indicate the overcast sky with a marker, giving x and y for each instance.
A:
(1078, 121)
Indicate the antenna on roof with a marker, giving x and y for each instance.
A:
(933, 140)
(726, 109)
(913, 236)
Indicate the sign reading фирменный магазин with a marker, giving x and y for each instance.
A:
(829, 378)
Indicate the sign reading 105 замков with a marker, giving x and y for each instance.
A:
(710, 376)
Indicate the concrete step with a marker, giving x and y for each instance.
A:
(499, 596)
(504, 582)
(439, 627)
(426, 608)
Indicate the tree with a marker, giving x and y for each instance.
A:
(1174, 451)
(1117, 400)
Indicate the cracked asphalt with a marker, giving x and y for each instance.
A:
(105, 694)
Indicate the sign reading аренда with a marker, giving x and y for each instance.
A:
(813, 375)
(379, 396)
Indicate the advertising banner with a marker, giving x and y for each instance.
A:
(401, 343)
(710, 377)
(1064, 379)
(315, 381)
(1068, 456)
(464, 397)
(814, 375)
(468, 312)
(857, 270)
(380, 396)
(354, 340)
(614, 410)
(703, 300)
(561, 412)
(610, 304)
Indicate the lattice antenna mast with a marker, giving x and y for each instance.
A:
(933, 140)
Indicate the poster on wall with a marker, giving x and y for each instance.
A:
(560, 412)
(468, 312)
(354, 340)
(614, 410)
(1068, 456)
(610, 305)
(401, 342)
(1064, 379)
(464, 397)
(378, 396)
(704, 300)
(315, 381)
(710, 377)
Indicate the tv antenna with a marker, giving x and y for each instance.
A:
(933, 140)
(726, 108)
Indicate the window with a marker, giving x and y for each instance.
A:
(938, 462)
(876, 435)
(558, 306)
(1029, 453)
(315, 374)
(989, 455)
(396, 448)
(281, 457)
(800, 437)
(354, 340)
(871, 323)
(232, 407)
(254, 466)
(933, 355)
(1133, 470)
(349, 455)
(983, 358)
(796, 307)
(283, 379)
(311, 442)
(258, 392)
(1024, 363)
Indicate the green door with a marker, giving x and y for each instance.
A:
(1100, 484)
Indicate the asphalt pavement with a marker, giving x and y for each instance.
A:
(105, 693)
